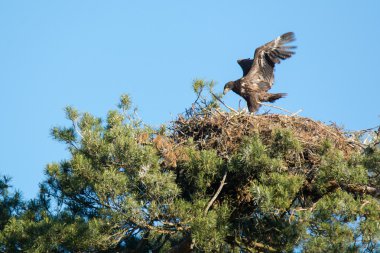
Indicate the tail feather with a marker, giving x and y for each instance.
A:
(271, 97)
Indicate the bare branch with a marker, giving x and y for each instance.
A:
(282, 109)
(231, 109)
(222, 183)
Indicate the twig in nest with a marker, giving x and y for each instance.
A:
(222, 183)
(282, 109)
(221, 114)
(294, 114)
(231, 109)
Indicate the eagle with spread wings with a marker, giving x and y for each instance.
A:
(258, 73)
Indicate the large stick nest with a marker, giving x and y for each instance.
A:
(224, 132)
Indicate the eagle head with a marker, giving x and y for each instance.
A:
(229, 86)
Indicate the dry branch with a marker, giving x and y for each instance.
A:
(222, 183)
(282, 109)
(216, 97)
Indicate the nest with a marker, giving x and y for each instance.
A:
(224, 132)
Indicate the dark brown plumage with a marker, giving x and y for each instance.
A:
(258, 74)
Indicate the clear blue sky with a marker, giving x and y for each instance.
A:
(87, 53)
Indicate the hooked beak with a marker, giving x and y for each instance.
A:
(225, 91)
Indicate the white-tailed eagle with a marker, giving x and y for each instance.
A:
(258, 74)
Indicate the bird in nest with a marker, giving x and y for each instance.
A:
(258, 73)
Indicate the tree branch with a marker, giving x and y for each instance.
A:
(354, 188)
(282, 109)
(222, 183)
(231, 109)
(254, 246)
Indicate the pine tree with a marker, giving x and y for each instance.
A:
(209, 182)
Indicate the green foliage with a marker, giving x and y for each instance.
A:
(371, 161)
(284, 143)
(10, 203)
(64, 134)
(116, 193)
(274, 192)
(253, 157)
(125, 102)
(204, 101)
(198, 85)
(51, 234)
(332, 224)
(369, 224)
(210, 231)
(335, 168)
(201, 169)
(71, 113)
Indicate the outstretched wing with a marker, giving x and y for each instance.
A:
(268, 55)
(246, 65)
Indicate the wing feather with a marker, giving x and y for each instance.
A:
(269, 54)
(246, 65)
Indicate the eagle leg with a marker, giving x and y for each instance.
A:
(253, 103)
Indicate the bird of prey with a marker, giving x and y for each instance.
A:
(258, 74)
